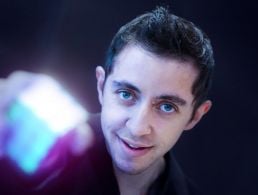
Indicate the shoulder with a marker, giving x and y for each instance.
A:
(173, 180)
(181, 183)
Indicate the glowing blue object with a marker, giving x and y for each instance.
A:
(31, 138)
(38, 117)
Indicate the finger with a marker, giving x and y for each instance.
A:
(17, 82)
(2, 82)
(19, 79)
(83, 138)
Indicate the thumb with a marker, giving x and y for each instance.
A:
(82, 139)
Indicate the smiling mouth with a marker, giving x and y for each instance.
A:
(137, 148)
(133, 147)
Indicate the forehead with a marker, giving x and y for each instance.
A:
(150, 72)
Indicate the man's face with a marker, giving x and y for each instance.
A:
(146, 105)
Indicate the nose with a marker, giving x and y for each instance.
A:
(139, 123)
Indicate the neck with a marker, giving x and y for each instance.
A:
(139, 183)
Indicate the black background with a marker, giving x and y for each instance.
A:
(68, 38)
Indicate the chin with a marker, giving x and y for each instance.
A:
(130, 169)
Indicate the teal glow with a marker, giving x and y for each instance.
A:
(30, 139)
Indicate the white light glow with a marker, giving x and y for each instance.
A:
(52, 104)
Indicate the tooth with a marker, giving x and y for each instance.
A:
(132, 146)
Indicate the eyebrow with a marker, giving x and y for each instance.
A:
(125, 84)
(174, 98)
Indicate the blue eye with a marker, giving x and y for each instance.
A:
(125, 95)
(167, 108)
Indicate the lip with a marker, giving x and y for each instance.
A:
(133, 149)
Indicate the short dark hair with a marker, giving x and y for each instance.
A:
(168, 35)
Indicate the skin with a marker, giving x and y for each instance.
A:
(146, 105)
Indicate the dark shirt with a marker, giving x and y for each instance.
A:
(92, 173)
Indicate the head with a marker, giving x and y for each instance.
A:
(153, 87)
(167, 35)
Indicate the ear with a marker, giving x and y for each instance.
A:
(100, 75)
(200, 112)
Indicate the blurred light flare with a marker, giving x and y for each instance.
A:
(40, 115)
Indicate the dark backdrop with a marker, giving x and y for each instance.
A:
(68, 38)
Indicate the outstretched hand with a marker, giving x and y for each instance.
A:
(10, 88)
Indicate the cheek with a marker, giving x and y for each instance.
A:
(113, 116)
(169, 139)
(169, 134)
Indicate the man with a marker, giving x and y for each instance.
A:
(153, 87)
